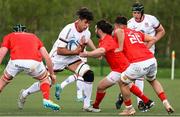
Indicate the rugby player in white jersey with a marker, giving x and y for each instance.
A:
(63, 58)
(147, 24)
(72, 78)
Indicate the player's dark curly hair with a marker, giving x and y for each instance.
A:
(85, 13)
(121, 20)
(105, 26)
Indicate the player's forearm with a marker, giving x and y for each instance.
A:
(45, 55)
(91, 44)
(66, 52)
(50, 66)
(160, 32)
(159, 35)
(96, 53)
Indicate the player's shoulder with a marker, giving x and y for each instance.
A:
(87, 31)
(148, 16)
(8, 35)
(131, 20)
(69, 26)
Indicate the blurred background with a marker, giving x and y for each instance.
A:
(46, 18)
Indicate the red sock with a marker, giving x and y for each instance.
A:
(127, 103)
(136, 91)
(45, 89)
(162, 96)
(99, 98)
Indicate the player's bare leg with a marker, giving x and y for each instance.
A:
(4, 80)
(100, 93)
(161, 94)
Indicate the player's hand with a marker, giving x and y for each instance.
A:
(78, 50)
(53, 78)
(83, 54)
(117, 50)
(100, 58)
(83, 41)
(151, 43)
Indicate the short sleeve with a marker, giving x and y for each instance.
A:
(155, 22)
(6, 42)
(87, 35)
(130, 24)
(108, 46)
(63, 35)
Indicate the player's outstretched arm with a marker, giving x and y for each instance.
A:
(95, 53)
(91, 44)
(49, 64)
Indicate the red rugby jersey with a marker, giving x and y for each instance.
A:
(23, 45)
(134, 48)
(117, 61)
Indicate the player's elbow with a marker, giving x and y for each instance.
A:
(102, 51)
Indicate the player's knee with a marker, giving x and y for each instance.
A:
(150, 78)
(44, 78)
(88, 76)
(82, 69)
(6, 78)
(100, 88)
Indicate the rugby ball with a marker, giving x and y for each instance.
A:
(72, 45)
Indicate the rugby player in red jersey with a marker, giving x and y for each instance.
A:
(26, 54)
(143, 62)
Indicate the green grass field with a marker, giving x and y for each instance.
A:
(33, 106)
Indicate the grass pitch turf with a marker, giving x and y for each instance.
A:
(33, 106)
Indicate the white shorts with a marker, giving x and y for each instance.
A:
(31, 67)
(113, 76)
(138, 70)
(63, 62)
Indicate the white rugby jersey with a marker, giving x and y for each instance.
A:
(68, 33)
(147, 26)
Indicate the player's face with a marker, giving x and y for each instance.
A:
(137, 15)
(83, 24)
(96, 31)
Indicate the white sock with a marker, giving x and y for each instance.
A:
(79, 84)
(87, 94)
(32, 89)
(68, 80)
(140, 85)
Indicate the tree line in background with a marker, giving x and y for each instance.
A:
(46, 18)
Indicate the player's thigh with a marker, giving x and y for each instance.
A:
(113, 77)
(104, 84)
(12, 69)
(134, 71)
(151, 75)
(38, 71)
(74, 66)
